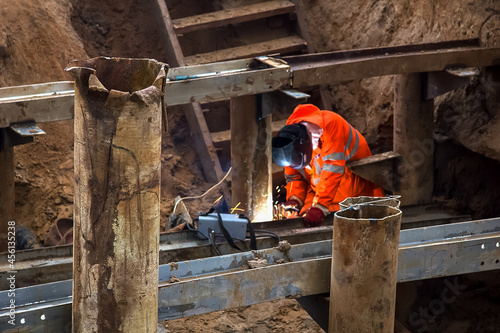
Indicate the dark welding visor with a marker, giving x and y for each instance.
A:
(292, 147)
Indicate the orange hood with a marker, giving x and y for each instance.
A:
(306, 112)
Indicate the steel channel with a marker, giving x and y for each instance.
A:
(54, 101)
(217, 283)
(309, 59)
(55, 263)
(332, 68)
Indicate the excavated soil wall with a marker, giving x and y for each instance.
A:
(38, 38)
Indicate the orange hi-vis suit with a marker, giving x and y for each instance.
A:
(326, 181)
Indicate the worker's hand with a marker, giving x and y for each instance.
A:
(314, 217)
(291, 208)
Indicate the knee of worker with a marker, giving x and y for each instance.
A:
(355, 186)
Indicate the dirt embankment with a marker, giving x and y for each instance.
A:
(38, 39)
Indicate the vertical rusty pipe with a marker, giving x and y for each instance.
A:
(364, 269)
(117, 194)
(6, 194)
(413, 139)
(251, 159)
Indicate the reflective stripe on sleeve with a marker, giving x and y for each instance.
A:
(317, 167)
(349, 139)
(334, 157)
(354, 150)
(334, 168)
(296, 176)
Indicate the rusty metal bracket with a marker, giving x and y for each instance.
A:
(439, 83)
(15, 136)
(280, 101)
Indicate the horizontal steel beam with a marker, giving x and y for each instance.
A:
(209, 82)
(50, 264)
(211, 284)
(188, 84)
(334, 67)
(41, 103)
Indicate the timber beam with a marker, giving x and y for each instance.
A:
(380, 169)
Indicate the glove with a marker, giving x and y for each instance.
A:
(291, 205)
(314, 217)
(291, 208)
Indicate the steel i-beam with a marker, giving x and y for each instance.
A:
(210, 284)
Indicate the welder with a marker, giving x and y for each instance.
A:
(313, 147)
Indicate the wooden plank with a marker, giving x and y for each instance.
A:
(203, 141)
(196, 121)
(380, 169)
(282, 45)
(175, 57)
(224, 137)
(232, 16)
(305, 75)
(374, 159)
(277, 172)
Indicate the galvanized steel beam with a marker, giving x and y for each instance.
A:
(211, 284)
(205, 83)
(42, 102)
(55, 263)
(51, 264)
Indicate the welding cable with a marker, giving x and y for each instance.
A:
(196, 230)
(243, 241)
(269, 233)
(211, 234)
(201, 196)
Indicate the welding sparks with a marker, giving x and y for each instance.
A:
(278, 211)
(218, 199)
(236, 208)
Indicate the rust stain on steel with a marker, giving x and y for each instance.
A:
(364, 268)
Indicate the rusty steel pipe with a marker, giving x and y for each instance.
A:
(118, 105)
(364, 269)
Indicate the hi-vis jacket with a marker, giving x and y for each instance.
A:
(327, 181)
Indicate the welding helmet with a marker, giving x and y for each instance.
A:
(292, 147)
